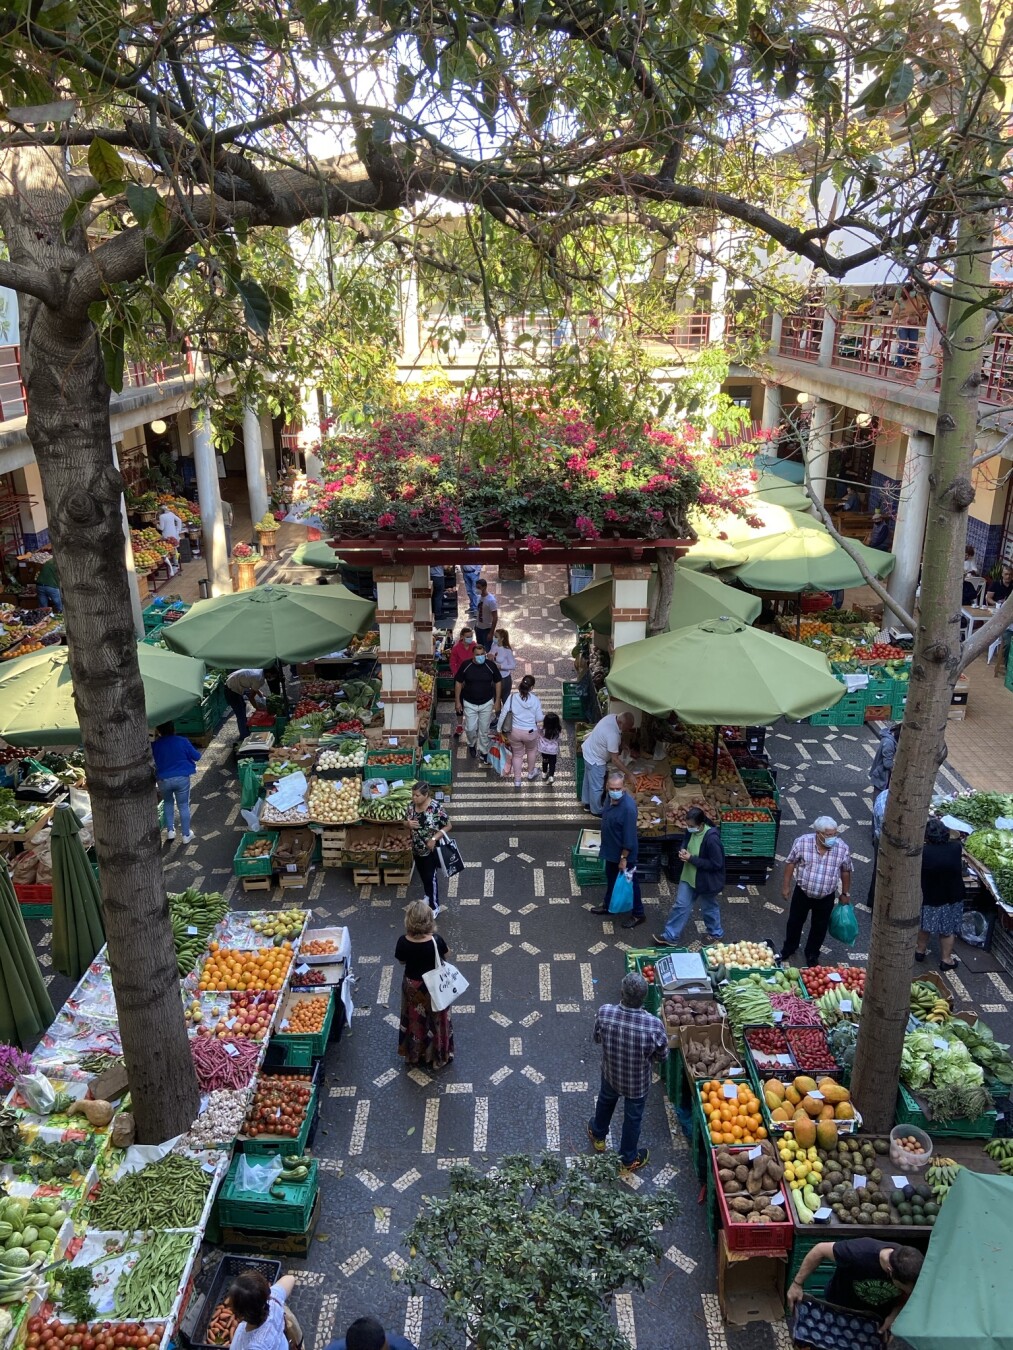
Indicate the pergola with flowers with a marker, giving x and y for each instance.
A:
(485, 478)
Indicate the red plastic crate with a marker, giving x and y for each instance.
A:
(751, 1237)
(34, 895)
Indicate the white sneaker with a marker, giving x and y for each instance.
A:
(171, 834)
(187, 838)
(550, 780)
(533, 776)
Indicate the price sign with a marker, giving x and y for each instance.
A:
(230, 1049)
(301, 970)
(730, 1091)
(940, 1043)
(277, 1113)
(291, 867)
(398, 784)
(378, 705)
(816, 1095)
(778, 1016)
(900, 1182)
(823, 1214)
(734, 1070)
(859, 1182)
(680, 773)
(426, 759)
(230, 1023)
(656, 801)
(755, 1153)
(208, 1167)
(834, 978)
(845, 1005)
(392, 740)
(284, 1024)
(191, 930)
(783, 1059)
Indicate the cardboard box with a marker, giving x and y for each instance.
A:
(957, 713)
(294, 850)
(750, 1284)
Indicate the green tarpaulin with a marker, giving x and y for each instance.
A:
(78, 931)
(807, 558)
(962, 1298)
(25, 1007)
(316, 554)
(771, 487)
(723, 672)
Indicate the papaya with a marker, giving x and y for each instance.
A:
(805, 1131)
(792, 1095)
(803, 1084)
(844, 1111)
(775, 1086)
(834, 1093)
(780, 1113)
(812, 1106)
(826, 1135)
(772, 1099)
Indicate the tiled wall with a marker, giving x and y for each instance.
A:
(985, 540)
(33, 542)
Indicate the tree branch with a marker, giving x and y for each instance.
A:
(871, 581)
(997, 449)
(29, 280)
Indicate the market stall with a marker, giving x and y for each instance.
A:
(262, 995)
(26, 630)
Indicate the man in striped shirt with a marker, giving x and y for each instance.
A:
(818, 863)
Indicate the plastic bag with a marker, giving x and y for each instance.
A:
(258, 1176)
(621, 901)
(500, 759)
(251, 774)
(38, 1092)
(844, 924)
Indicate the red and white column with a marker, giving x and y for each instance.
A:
(423, 607)
(395, 613)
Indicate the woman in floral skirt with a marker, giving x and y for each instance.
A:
(424, 1036)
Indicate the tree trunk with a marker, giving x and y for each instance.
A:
(68, 426)
(662, 606)
(934, 672)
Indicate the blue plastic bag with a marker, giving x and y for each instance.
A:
(621, 901)
(844, 924)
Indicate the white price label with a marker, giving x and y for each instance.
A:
(755, 1153)
(277, 1113)
(291, 867)
(730, 1091)
(783, 1059)
(816, 1095)
(191, 930)
(845, 1005)
(778, 1016)
(230, 1022)
(426, 758)
(284, 1024)
(822, 1214)
(735, 1070)
(230, 1049)
(392, 740)
(655, 820)
(940, 1043)
(900, 1182)
(208, 1167)
(656, 801)
(859, 1182)
(680, 773)
(834, 978)
(301, 970)
(378, 704)
(398, 784)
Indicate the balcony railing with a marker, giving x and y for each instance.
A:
(136, 375)
(801, 335)
(886, 351)
(997, 371)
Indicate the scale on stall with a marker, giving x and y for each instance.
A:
(682, 973)
(256, 745)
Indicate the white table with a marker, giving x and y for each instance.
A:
(976, 616)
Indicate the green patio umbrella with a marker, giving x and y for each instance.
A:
(316, 554)
(37, 694)
(805, 558)
(778, 491)
(761, 520)
(723, 672)
(696, 597)
(712, 554)
(25, 1007)
(791, 470)
(78, 931)
(269, 624)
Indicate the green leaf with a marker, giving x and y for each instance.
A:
(77, 208)
(901, 85)
(743, 13)
(540, 104)
(142, 201)
(105, 163)
(256, 304)
(113, 356)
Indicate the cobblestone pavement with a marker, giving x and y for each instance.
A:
(538, 964)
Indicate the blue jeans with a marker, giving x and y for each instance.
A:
(593, 789)
(633, 1115)
(471, 576)
(50, 597)
(683, 907)
(176, 790)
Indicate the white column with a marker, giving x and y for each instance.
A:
(210, 502)
(630, 609)
(828, 337)
(423, 606)
(309, 436)
(909, 534)
(256, 478)
(818, 451)
(771, 416)
(776, 321)
(270, 449)
(128, 556)
(411, 348)
(930, 351)
(395, 615)
(719, 292)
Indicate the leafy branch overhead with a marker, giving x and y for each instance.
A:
(532, 1252)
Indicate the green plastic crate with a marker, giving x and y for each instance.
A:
(588, 871)
(255, 867)
(308, 1045)
(745, 840)
(391, 772)
(910, 1113)
(253, 1209)
(268, 1145)
(437, 777)
(445, 686)
(839, 717)
(573, 702)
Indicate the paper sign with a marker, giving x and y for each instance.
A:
(730, 1091)
(859, 1182)
(823, 1214)
(392, 740)
(284, 1024)
(398, 784)
(291, 867)
(834, 978)
(755, 1153)
(438, 796)
(778, 1015)
(426, 758)
(783, 1059)
(191, 930)
(378, 705)
(656, 801)
(940, 1043)
(230, 1023)
(301, 970)
(208, 1167)
(900, 1182)
(733, 1071)
(680, 773)
(845, 1005)
(277, 1112)
(815, 1094)
(230, 1049)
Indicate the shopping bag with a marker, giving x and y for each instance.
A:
(449, 857)
(445, 983)
(844, 924)
(621, 901)
(500, 758)
(506, 718)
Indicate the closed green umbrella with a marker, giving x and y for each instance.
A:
(269, 624)
(592, 605)
(25, 1007)
(696, 597)
(37, 694)
(316, 554)
(78, 931)
(761, 519)
(723, 672)
(805, 558)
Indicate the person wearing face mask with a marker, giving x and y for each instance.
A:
(478, 694)
(818, 863)
(703, 878)
(619, 846)
(462, 650)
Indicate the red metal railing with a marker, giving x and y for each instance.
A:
(136, 375)
(801, 335)
(886, 351)
(997, 370)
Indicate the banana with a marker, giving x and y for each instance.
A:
(999, 1149)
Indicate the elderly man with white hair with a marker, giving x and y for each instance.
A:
(819, 863)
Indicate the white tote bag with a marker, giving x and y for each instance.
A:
(445, 983)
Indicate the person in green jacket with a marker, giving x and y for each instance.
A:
(47, 587)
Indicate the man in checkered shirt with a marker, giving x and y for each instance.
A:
(631, 1040)
(818, 863)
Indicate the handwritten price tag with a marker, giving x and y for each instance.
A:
(398, 784)
(900, 1182)
(735, 1070)
(301, 970)
(834, 978)
(656, 801)
(284, 1024)
(392, 740)
(822, 1215)
(816, 1096)
(230, 1049)
(940, 1043)
(191, 930)
(859, 1182)
(778, 1016)
(845, 1005)
(426, 759)
(730, 1091)
(754, 1153)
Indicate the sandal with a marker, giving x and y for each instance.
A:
(920, 956)
(952, 965)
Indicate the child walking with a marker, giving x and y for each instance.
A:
(548, 745)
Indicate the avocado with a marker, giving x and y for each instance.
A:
(897, 1197)
(923, 1192)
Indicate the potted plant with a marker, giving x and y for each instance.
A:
(267, 533)
(245, 563)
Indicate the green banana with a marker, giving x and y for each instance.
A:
(998, 1149)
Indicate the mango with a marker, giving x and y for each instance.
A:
(812, 1106)
(835, 1094)
(792, 1095)
(826, 1134)
(844, 1111)
(775, 1086)
(805, 1131)
(772, 1099)
(803, 1084)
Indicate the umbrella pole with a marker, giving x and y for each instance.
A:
(798, 616)
(714, 761)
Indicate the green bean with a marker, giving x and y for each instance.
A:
(168, 1194)
(148, 1291)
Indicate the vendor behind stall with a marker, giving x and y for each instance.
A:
(857, 1261)
(243, 685)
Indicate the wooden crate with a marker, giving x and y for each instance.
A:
(332, 842)
(293, 880)
(365, 876)
(397, 876)
(258, 883)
